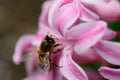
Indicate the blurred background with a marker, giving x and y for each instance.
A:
(17, 17)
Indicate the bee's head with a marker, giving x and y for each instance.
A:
(49, 39)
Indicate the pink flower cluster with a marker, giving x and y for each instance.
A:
(81, 27)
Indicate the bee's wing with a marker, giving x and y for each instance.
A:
(31, 53)
(46, 65)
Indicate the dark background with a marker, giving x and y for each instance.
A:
(17, 17)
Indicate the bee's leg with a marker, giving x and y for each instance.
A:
(58, 48)
(56, 45)
(54, 64)
(57, 51)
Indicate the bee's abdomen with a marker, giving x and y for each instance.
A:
(40, 59)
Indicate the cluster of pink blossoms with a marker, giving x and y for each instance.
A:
(81, 27)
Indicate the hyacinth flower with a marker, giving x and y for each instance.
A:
(80, 14)
(61, 8)
(59, 19)
(105, 47)
(69, 66)
(78, 29)
(69, 69)
(75, 18)
(75, 35)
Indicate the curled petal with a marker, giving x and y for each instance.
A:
(31, 63)
(65, 17)
(104, 8)
(109, 34)
(45, 30)
(86, 35)
(55, 6)
(24, 43)
(52, 10)
(87, 15)
(84, 28)
(87, 57)
(110, 73)
(44, 15)
(109, 51)
(70, 69)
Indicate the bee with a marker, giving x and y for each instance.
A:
(44, 53)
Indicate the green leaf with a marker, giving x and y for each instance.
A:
(114, 26)
(93, 66)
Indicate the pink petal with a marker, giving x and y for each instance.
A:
(58, 75)
(52, 10)
(110, 73)
(109, 34)
(45, 30)
(87, 15)
(64, 2)
(44, 15)
(83, 59)
(39, 76)
(31, 63)
(64, 78)
(82, 28)
(109, 51)
(65, 17)
(95, 2)
(86, 35)
(93, 75)
(104, 8)
(24, 43)
(70, 69)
